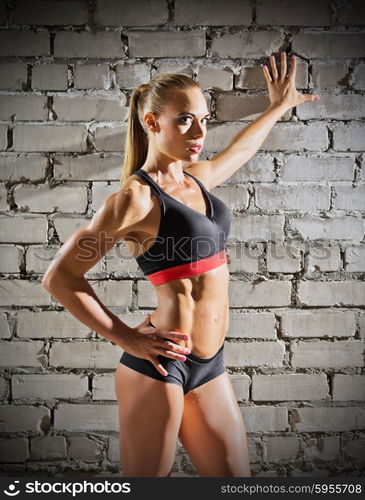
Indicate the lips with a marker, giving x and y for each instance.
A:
(197, 148)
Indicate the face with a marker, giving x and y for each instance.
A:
(182, 124)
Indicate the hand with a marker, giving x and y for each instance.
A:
(146, 342)
(282, 89)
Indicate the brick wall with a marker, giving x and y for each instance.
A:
(295, 347)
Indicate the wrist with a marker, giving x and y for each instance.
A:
(279, 106)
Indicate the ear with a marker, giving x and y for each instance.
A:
(151, 122)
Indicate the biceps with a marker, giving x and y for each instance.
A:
(81, 251)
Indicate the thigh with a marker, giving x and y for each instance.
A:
(212, 430)
(150, 413)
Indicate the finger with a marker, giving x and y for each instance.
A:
(158, 366)
(312, 97)
(174, 355)
(173, 347)
(172, 334)
(267, 73)
(293, 68)
(283, 65)
(273, 67)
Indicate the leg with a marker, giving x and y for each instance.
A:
(150, 414)
(212, 430)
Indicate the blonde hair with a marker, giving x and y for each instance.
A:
(148, 97)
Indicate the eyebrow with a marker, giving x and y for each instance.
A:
(188, 113)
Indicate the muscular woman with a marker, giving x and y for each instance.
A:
(171, 380)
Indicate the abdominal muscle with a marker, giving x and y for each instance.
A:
(197, 306)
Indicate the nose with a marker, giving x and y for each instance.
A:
(198, 130)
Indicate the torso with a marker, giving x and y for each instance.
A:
(196, 305)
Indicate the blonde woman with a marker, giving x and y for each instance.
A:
(171, 380)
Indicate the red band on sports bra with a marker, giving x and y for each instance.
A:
(189, 269)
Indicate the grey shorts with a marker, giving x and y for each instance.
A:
(189, 374)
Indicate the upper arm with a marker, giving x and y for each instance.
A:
(86, 246)
(220, 167)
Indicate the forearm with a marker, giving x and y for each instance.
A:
(252, 137)
(78, 297)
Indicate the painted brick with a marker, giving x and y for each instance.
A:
(348, 387)
(23, 229)
(289, 197)
(130, 75)
(20, 292)
(322, 354)
(341, 107)
(13, 75)
(213, 12)
(293, 387)
(84, 354)
(138, 13)
(86, 108)
(23, 107)
(47, 12)
(313, 168)
(9, 259)
(49, 385)
(101, 45)
(24, 43)
(252, 325)
(318, 323)
(253, 354)
(324, 44)
(21, 353)
(23, 167)
(3, 137)
(355, 259)
(348, 137)
(50, 324)
(349, 198)
(48, 448)
(261, 294)
(324, 258)
(13, 450)
(327, 419)
(23, 418)
(166, 43)
(334, 228)
(49, 77)
(89, 167)
(294, 13)
(327, 75)
(50, 138)
(257, 228)
(92, 76)
(86, 417)
(335, 293)
(247, 44)
(40, 198)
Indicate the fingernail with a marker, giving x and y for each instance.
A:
(317, 98)
(186, 337)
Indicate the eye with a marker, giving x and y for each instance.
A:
(187, 117)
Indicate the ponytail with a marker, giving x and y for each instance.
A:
(136, 144)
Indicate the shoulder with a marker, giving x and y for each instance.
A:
(202, 170)
(125, 208)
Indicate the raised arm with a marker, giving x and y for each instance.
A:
(64, 278)
(283, 96)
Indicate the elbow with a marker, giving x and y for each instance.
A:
(48, 280)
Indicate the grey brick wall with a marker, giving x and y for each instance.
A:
(295, 347)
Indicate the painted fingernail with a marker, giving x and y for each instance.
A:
(186, 337)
